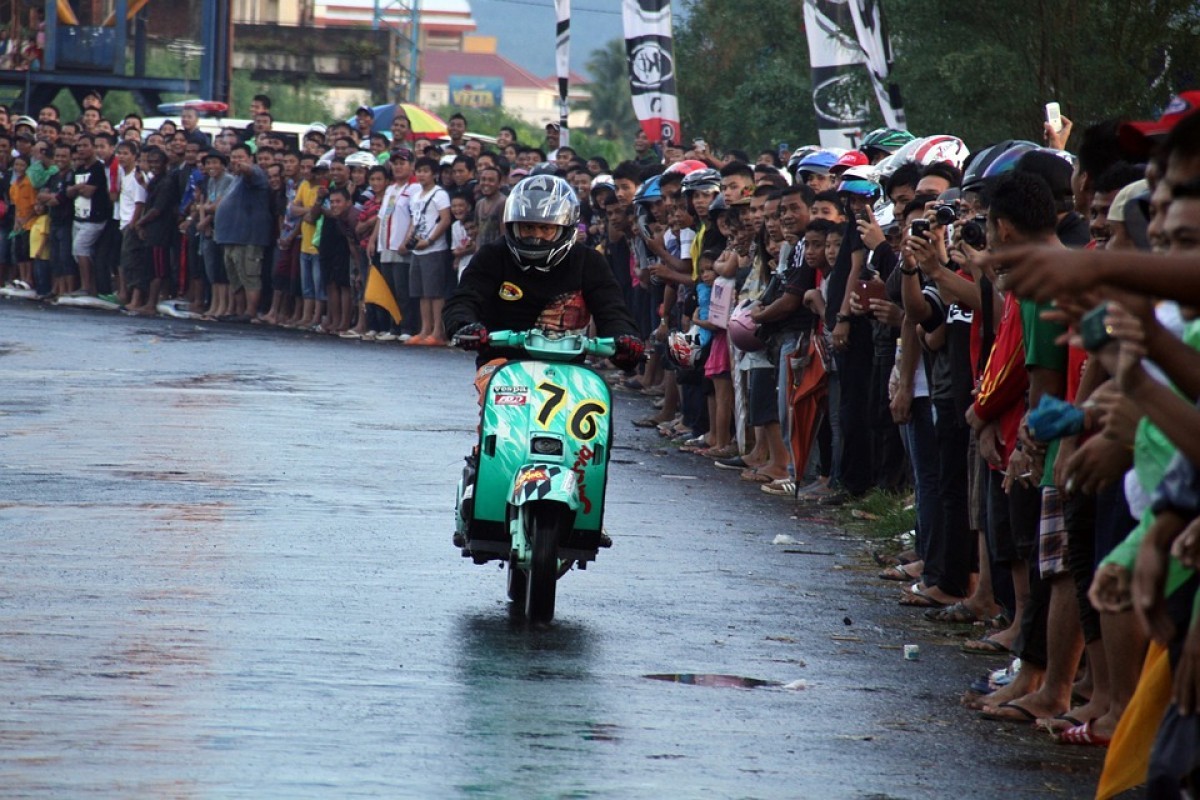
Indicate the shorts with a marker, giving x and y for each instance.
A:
(243, 263)
(20, 247)
(761, 406)
(85, 237)
(336, 271)
(159, 258)
(287, 265)
(1052, 536)
(5, 246)
(133, 258)
(431, 275)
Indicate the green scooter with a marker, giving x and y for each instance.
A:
(533, 493)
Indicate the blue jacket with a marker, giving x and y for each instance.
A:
(244, 215)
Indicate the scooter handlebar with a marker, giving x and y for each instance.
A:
(535, 342)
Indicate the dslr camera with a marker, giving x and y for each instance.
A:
(974, 232)
(945, 213)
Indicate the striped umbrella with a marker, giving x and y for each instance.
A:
(424, 124)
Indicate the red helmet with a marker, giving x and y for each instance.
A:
(684, 167)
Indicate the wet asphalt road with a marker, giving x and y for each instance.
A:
(226, 571)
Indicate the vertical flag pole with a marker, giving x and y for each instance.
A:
(562, 60)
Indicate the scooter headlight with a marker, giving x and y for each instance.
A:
(546, 446)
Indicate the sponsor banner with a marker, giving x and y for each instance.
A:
(834, 54)
(651, 52)
(476, 91)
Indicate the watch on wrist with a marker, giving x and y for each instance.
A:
(843, 317)
(907, 271)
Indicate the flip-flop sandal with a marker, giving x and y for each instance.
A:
(896, 572)
(1083, 734)
(648, 422)
(754, 476)
(920, 599)
(1017, 713)
(986, 646)
(780, 488)
(957, 614)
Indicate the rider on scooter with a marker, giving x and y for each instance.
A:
(539, 277)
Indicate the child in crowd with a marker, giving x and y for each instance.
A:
(462, 240)
(23, 196)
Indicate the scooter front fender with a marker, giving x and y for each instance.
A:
(542, 482)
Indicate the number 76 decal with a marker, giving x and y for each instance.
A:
(581, 423)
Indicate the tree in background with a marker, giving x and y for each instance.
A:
(985, 71)
(610, 106)
(743, 74)
(980, 71)
(489, 121)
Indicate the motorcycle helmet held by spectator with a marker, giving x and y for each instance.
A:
(977, 167)
(684, 349)
(706, 179)
(741, 330)
(883, 142)
(939, 148)
(686, 166)
(541, 200)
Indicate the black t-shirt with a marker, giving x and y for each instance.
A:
(63, 213)
(6, 221)
(498, 293)
(798, 279)
(98, 207)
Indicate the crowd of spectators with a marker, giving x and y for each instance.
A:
(988, 330)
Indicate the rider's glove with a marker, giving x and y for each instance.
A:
(629, 352)
(473, 336)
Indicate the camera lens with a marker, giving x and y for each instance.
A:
(945, 214)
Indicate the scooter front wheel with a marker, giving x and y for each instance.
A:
(547, 527)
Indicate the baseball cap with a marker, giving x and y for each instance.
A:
(402, 154)
(852, 158)
(553, 125)
(30, 121)
(1138, 137)
(1116, 212)
(367, 109)
(518, 173)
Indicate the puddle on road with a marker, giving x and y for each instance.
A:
(717, 681)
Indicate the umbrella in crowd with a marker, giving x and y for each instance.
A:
(424, 124)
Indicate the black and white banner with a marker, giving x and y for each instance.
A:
(651, 52)
(562, 63)
(842, 35)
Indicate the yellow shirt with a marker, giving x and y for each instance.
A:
(306, 195)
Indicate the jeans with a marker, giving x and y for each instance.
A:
(311, 285)
(921, 440)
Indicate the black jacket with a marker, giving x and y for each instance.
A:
(502, 296)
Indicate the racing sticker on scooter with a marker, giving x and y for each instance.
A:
(534, 484)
